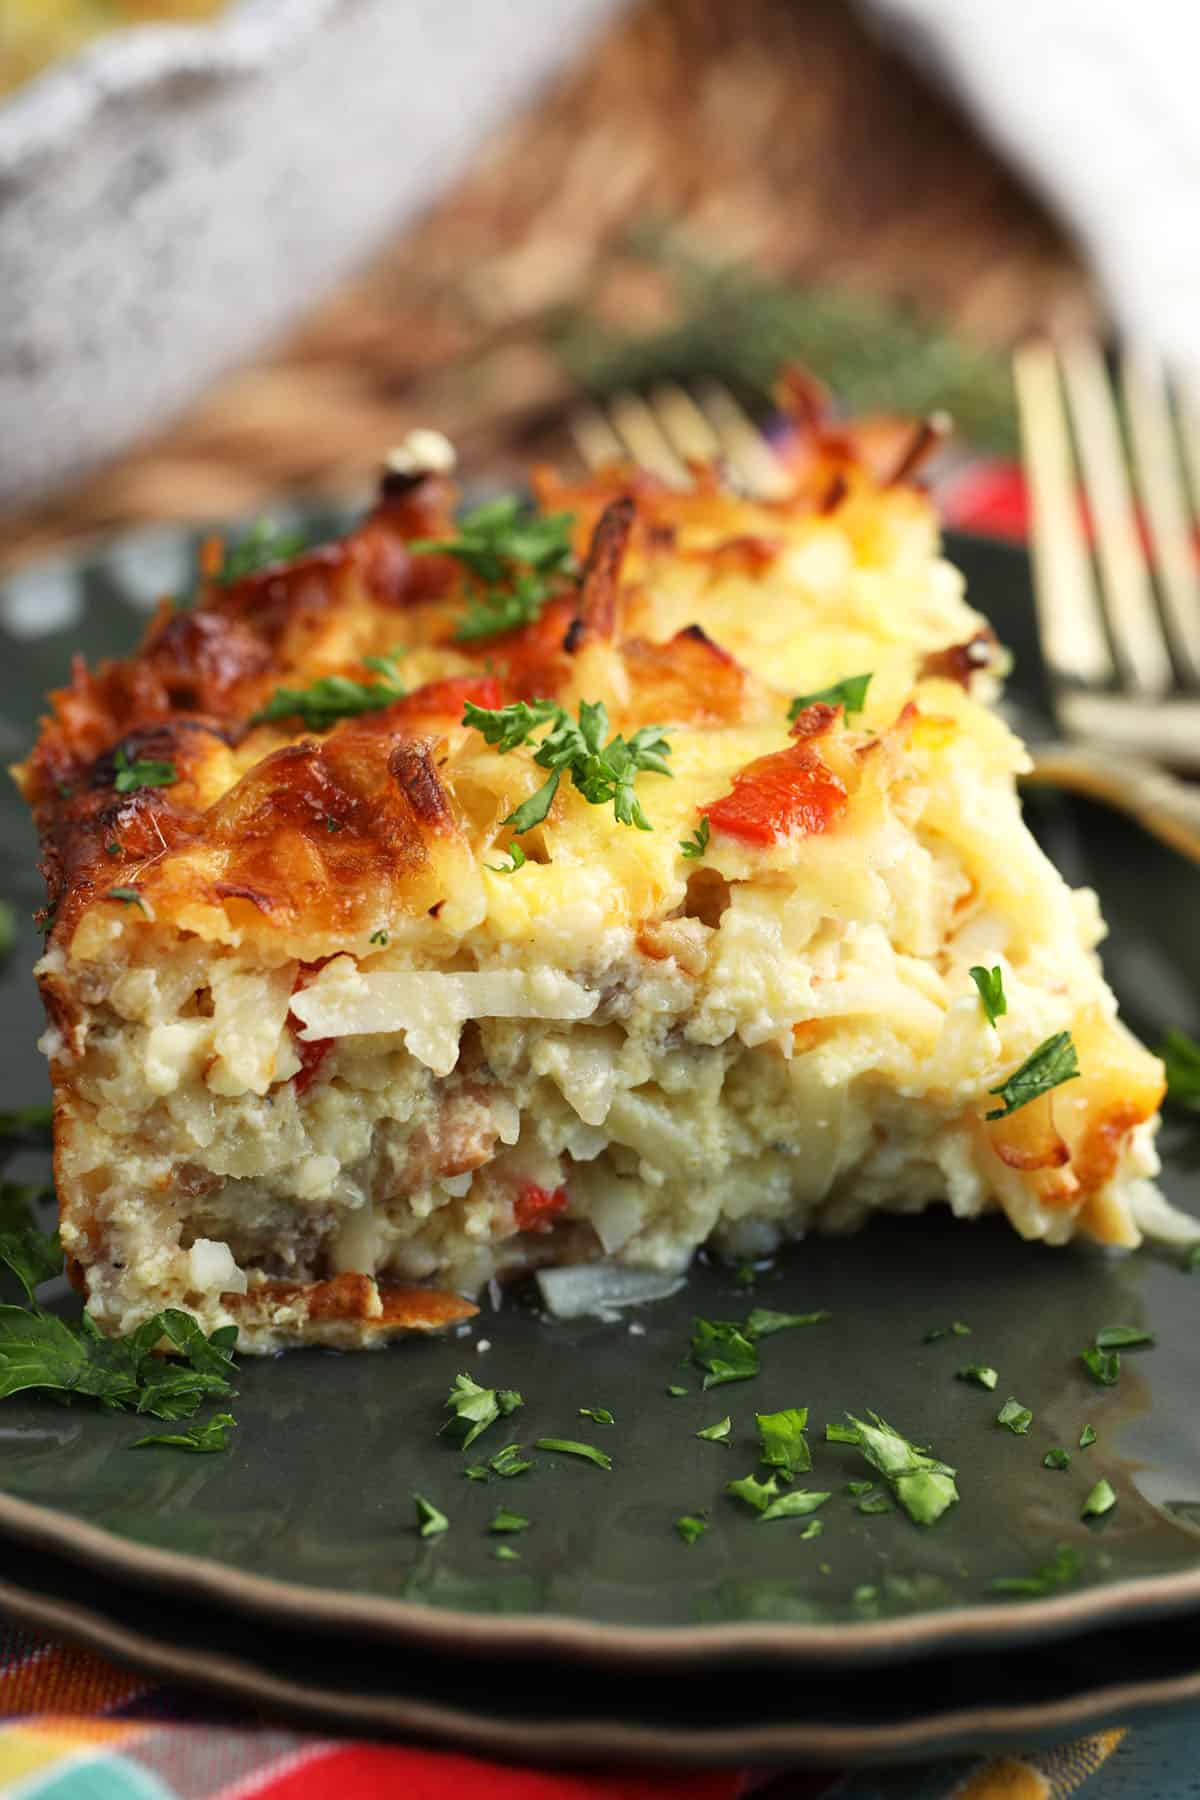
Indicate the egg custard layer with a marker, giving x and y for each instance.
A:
(367, 983)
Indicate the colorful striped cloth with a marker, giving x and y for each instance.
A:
(75, 1727)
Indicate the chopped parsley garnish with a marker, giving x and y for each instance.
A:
(874, 1502)
(504, 1519)
(722, 1349)
(379, 937)
(571, 1447)
(992, 998)
(676, 1392)
(516, 559)
(982, 1377)
(1057, 1458)
(40, 1350)
(924, 1486)
(764, 1498)
(430, 1522)
(509, 1462)
(690, 1527)
(113, 848)
(475, 1408)
(858, 1488)
(782, 1439)
(600, 1414)
(762, 1322)
(1102, 1499)
(128, 896)
(476, 1472)
(850, 694)
(262, 545)
(957, 1329)
(33, 1256)
(1015, 1417)
(212, 1435)
(330, 698)
(1122, 1337)
(141, 774)
(1064, 1566)
(1181, 1055)
(1104, 1366)
(516, 860)
(603, 773)
(697, 844)
(866, 1595)
(506, 1553)
(1087, 1438)
(813, 1529)
(1047, 1067)
(717, 1434)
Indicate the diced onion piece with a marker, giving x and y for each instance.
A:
(431, 1007)
(596, 1287)
(1161, 1222)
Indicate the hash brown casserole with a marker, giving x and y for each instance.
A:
(354, 1005)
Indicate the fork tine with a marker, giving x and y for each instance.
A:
(751, 460)
(1157, 472)
(594, 437)
(687, 430)
(1071, 627)
(643, 440)
(1129, 598)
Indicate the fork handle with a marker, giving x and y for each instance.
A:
(1160, 802)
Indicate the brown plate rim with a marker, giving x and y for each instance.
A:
(652, 1647)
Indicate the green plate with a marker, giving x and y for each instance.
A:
(309, 1517)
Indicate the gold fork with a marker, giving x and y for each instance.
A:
(669, 426)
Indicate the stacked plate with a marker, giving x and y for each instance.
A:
(290, 1570)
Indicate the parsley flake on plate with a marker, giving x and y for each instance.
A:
(475, 1408)
(509, 1462)
(1181, 1057)
(782, 1440)
(604, 773)
(697, 844)
(128, 896)
(923, 1485)
(850, 693)
(1102, 1499)
(430, 1522)
(130, 776)
(1057, 1457)
(506, 1553)
(1087, 1438)
(1065, 1565)
(1104, 1366)
(813, 1529)
(571, 1447)
(504, 1519)
(675, 1391)
(1052, 1063)
(990, 983)
(1122, 1337)
(762, 1322)
(722, 1349)
(957, 1329)
(691, 1526)
(1015, 1417)
(979, 1374)
(600, 1414)
(212, 1435)
(764, 1498)
(718, 1433)
(874, 1502)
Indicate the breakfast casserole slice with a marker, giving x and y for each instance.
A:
(561, 887)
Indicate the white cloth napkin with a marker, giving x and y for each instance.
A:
(1096, 102)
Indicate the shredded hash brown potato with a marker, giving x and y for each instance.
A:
(323, 1066)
